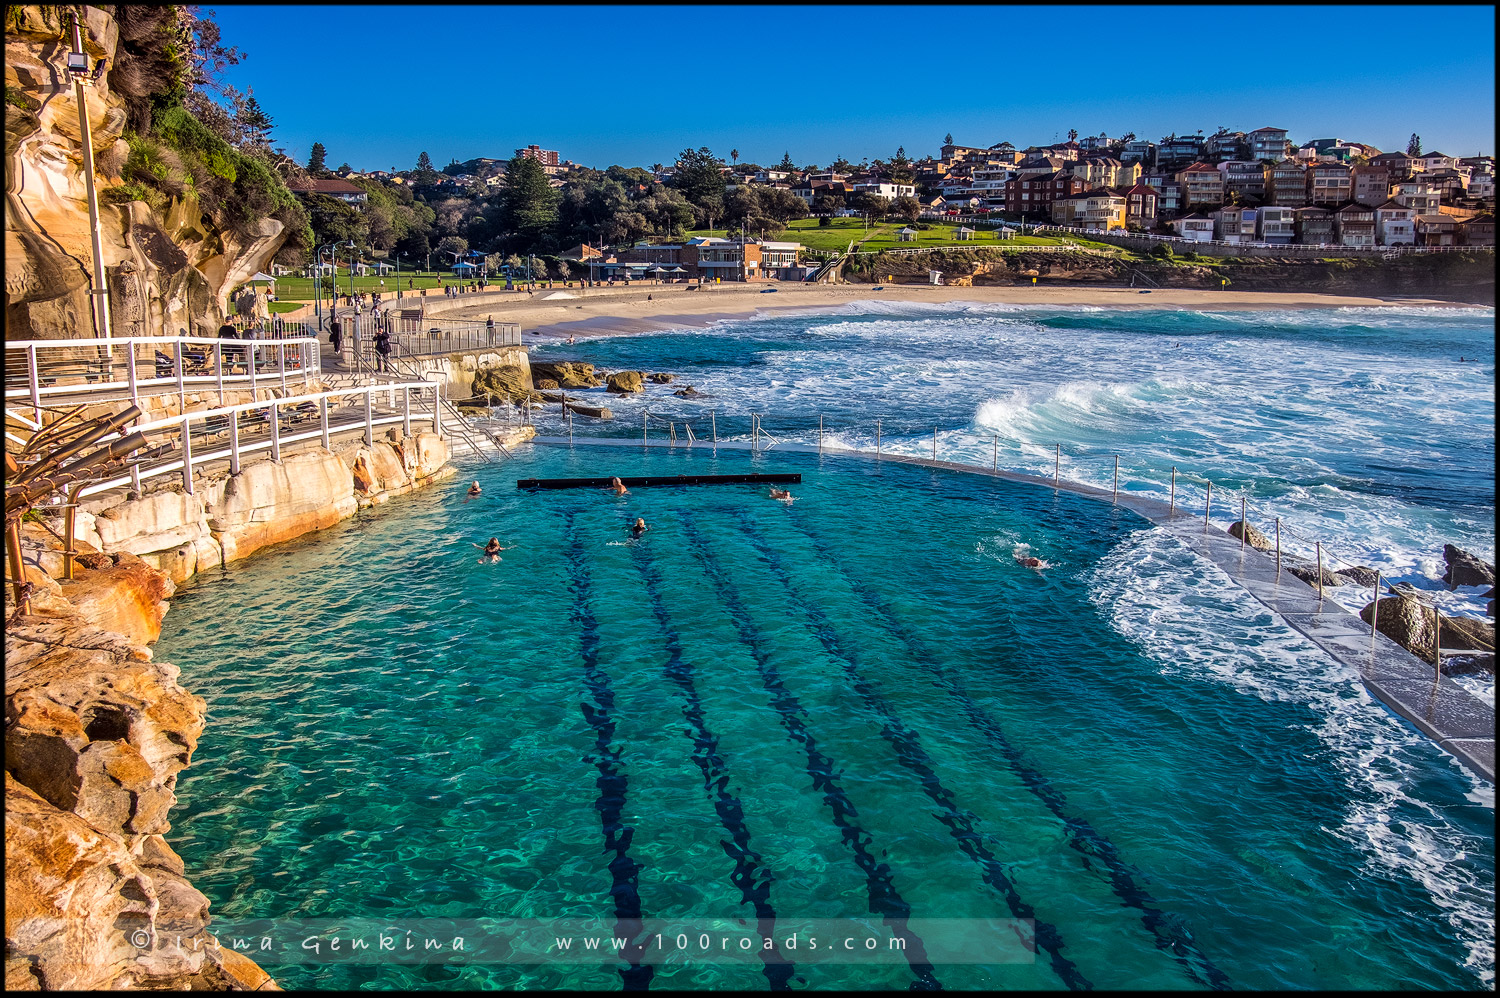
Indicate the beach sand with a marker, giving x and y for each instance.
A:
(607, 311)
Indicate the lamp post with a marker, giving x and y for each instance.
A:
(318, 284)
(78, 64)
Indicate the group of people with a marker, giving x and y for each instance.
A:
(382, 341)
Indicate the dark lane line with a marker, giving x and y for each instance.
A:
(612, 782)
(913, 757)
(750, 873)
(1169, 931)
(884, 899)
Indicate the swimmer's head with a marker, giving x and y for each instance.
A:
(640, 521)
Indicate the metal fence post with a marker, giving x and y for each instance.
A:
(1437, 654)
(250, 363)
(1318, 545)
(1208, 504)
(934, 443)
(274, 416)
(187, 454)
(323, 421)
(1117, 478)
(644, 417)
(714, 423)
(1172, 502)
(135, 392)
(995, 452)
(234, 443)
(1278, 548)
(1375, 606)
(1244, 525)
(1056, 465)
(877, 438)
(281, 362)
(35, 380)
(406, 411)
(820, 433)
(370, 419)
(177, 360)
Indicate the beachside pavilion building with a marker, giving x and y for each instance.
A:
(708, 258)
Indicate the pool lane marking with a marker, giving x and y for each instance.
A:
(959, 821)
(884, 899)
(751, 875)
(1170, 934)
(612, 782)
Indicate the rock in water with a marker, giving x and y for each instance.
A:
(625, 382)
(1308, 572)
(1465, 569)
(1360, 575)
(1468, 633)
(1253, 537)
(1405, 622)
(689, 393)
(661, 378)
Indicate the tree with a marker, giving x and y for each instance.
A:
(345, 168)
(700, 178)
(425, 173)
(1072, 135)
(841, 165)
(454, 246)
(563, 270)
(255, 124)
(786, 163)
(316, 165)
(734, 155)
(1414, 145)
(1128, 137)
(907, 207)
(901, 168)
(656, 169)
(948, 139)
(528, 203)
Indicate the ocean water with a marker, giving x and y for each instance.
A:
(860, 706)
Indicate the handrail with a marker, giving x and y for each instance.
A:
(183, 424)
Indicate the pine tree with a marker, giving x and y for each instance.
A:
(254, 123)
(948, 139)
(1414, 145)
(316, 163)
(786, 162)
(425, 173)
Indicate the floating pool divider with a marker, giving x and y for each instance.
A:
(642, 481)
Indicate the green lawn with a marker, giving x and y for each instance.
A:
(836, 236)
(300, 289)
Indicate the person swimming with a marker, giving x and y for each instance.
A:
(474, 490)
(618, 487)
(492, 550)
(784, 495)
(638, 528)
(1029, 562)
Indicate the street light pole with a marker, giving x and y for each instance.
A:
(100, 292)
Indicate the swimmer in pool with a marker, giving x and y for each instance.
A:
(1029, 562)
(638, 528)
(783, 494)
(492, 550)
(474, 490)
(618, 487)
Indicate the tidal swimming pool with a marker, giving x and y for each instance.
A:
(855, 707)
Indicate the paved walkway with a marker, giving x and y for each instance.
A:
(1459, 722)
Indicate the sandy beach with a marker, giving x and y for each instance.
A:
(601, 311)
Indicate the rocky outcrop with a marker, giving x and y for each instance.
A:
(503, 382)
(166, 271)
(566, 374)
(1465, 569)
(689, 392)
(1308, 572)
(1406, 622)
(96, 734)
(660, 378)
(1359, 575)
(625, 382)
(1253, 537)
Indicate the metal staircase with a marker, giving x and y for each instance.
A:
(479, 443)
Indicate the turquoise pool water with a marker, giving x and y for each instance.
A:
(858, 706)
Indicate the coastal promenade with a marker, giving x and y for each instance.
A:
(1456, 720)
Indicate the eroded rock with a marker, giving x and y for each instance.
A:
(625, 382)
(1465, 569)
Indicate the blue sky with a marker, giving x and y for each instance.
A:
(635, 85)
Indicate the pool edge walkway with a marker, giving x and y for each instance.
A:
(1456, 720)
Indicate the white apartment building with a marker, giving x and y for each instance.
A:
(1395, 225)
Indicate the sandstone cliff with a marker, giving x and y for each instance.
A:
(168, 271)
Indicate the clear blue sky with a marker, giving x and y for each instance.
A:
(635, 85)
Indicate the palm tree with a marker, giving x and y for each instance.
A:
(656, 168)
(734, 154)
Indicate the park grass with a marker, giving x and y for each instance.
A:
(300, 289)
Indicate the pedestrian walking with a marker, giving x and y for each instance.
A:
(336, 337)
(489, 327)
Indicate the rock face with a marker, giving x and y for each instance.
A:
(505, 382)
(96, 734)
(1406, 622)
(1465, 569)
(1253, 537)
(1360, 575)
(166, 272)
(1308, 572)
(567, 374)
(625, 382)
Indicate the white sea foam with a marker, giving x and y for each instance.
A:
(1191, 619)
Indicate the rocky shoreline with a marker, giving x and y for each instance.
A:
(97, 731)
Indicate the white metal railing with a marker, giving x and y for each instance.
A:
(1339, 247)
(211, 423)
(145, 366)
